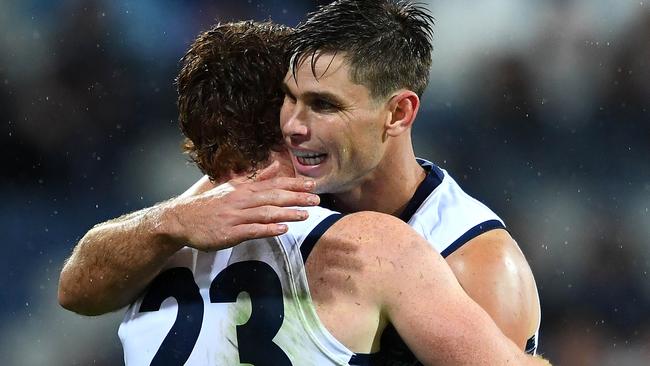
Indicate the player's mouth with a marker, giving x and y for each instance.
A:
(308, 163)
(309, 158)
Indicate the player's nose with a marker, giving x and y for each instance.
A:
(294, 125)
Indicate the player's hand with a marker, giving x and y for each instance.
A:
(242, 209)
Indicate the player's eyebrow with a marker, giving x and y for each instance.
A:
(315, 95)
(323, 95)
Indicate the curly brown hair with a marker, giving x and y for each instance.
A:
(229, 96)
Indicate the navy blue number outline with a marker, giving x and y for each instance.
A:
(180, 340)
(255, 337)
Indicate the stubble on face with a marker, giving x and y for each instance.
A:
(332, 126)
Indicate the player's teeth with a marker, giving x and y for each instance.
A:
(311, 160)
(307, 155)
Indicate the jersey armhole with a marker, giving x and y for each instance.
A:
(471, 234)
(315, 234)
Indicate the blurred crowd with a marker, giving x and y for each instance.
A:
(539, 109)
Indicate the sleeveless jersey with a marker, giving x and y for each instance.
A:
(249, 304)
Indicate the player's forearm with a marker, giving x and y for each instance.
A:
(114, 261)
(506, 352)
(469, 337)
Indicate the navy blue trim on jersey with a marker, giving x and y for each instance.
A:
(363, 359)
(531, 345)
(471, 234)
(431, 181)
(430, 167)
(316, 233)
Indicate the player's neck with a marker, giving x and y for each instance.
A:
(388, 188)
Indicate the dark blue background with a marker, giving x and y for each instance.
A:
(539, 109)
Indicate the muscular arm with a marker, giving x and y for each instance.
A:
(115, 260)
(495, 274)
(418, 293)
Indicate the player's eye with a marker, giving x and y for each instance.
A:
(322, 105)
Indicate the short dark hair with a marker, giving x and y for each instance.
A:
(229, 96)
(387, 43)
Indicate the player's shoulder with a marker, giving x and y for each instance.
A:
(370, 235)
(368, 225)
(491, 247)
(375, 252)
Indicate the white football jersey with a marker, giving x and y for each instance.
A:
(249, 304)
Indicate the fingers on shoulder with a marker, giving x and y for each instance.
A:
(272, 214)
(280, 197)
(245, 232)
(293, 184)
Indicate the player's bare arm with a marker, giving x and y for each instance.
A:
(443, 325)
(115, 260)
(494, 272)
(371, 269)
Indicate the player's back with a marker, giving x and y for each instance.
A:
(247, 304)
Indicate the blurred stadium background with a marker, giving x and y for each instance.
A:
(538, 108)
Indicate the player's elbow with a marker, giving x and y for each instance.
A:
(71, 297)
(70, 302)
(79, 304)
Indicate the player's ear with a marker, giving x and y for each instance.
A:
(403, 108)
